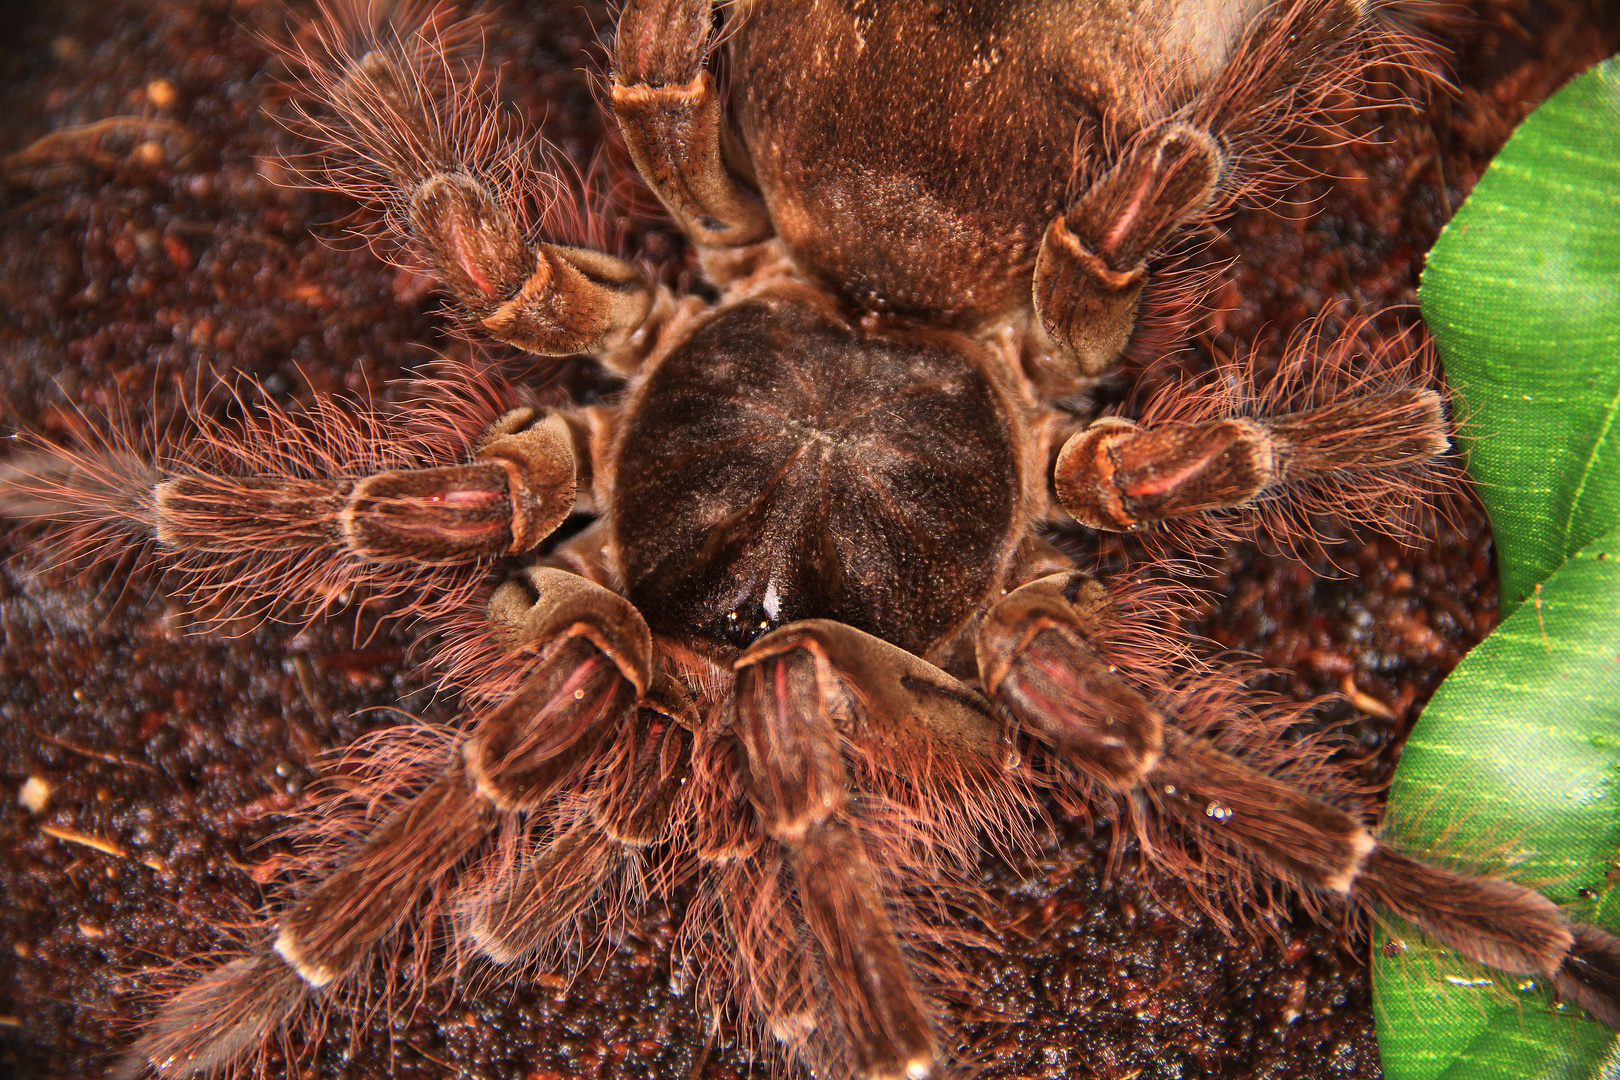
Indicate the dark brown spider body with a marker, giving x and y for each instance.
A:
(815, 659)
(912, 155)
(781, 464)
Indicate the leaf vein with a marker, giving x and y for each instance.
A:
(1587, 466)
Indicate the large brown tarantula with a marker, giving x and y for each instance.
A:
(813, 656)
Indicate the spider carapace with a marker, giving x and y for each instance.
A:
(814, 657)
(782, 464)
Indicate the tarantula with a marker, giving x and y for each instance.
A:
(812, 657)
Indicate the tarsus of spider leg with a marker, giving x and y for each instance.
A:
(228, 1014)
(240, 1006)
(1590, 973)
(1252, 826)
(424, 140)
(307, 507)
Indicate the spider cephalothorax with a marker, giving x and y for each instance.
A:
(781, 464)
(813, 657)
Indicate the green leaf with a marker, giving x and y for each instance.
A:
(1522, 292)
(1517, 758)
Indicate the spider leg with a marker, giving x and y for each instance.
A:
(330, 931)
(277, 510)
(219, 1020)
(1092, 264)
(802, 693)
(516, 490)
(1093, 259)
(531, 898)
(1034, 655)
(669, 111)
(592, 663)
(1291, 835)
(596, 663)
(1590, 974)
(747, 943)
(1118, 476)
(434, 156)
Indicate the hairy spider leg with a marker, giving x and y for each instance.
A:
(452, 187)
(591, 663)
(520, 906)
(1339, 428)
(1120, 476)
(1092, 264)
(802, 692)
(1035, 657)
(1178, 170)
(305, 510)
(668, 109)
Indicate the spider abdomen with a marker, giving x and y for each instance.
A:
(781, 464)
(911, 155)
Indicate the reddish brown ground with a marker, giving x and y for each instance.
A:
(124, 272)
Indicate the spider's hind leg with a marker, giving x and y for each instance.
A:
(1092, 264)
(800, 786)
(859, 756)
(668, 107)
(403, 127)
(1205, 149)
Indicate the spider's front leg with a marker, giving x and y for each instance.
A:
(592, 656)
(1037, 655)
(806, 695)
(524, 902)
